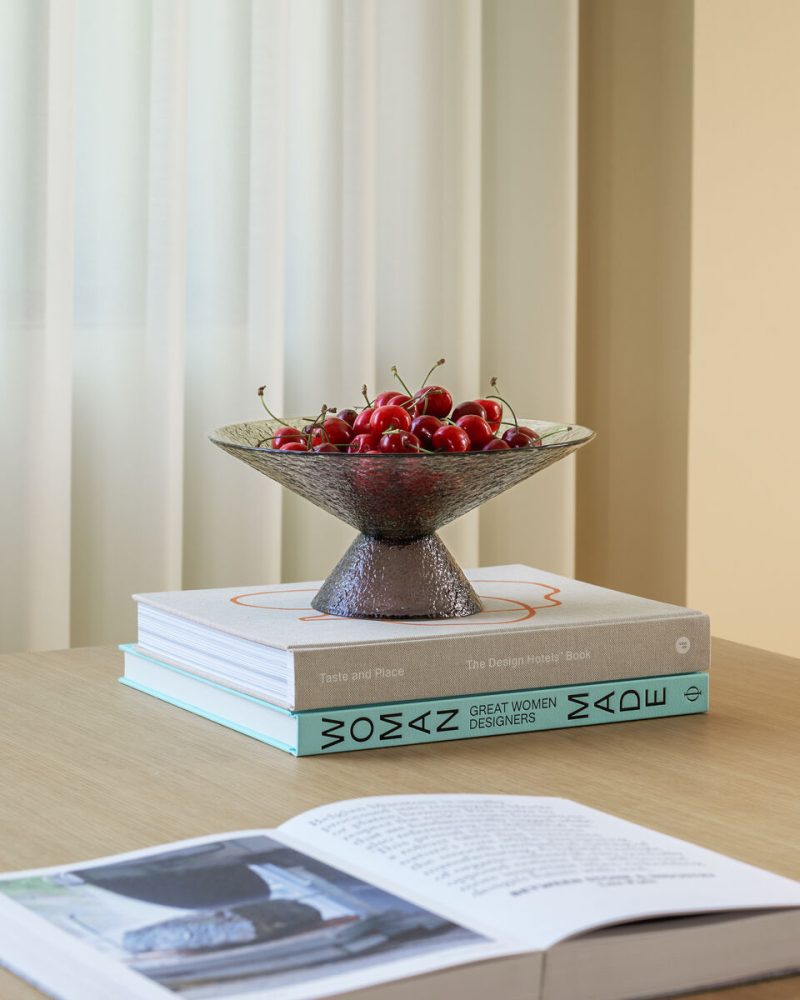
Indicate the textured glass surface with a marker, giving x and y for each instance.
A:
(397, 496)
(397, 567)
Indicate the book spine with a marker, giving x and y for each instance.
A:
(373, 726)
(500, 661)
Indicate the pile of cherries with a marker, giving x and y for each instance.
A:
(407, 423)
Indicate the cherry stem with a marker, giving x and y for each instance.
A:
(419, 400)
(505, 402)
(438, 364)
(555, 430)
(400, 380)
(364, 394)
(261, 389)
(318, 423)
(263, 440)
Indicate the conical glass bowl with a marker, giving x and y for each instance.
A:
(397, 567)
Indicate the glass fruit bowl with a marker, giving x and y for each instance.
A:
(397, 567)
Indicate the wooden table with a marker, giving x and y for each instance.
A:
(90, 767)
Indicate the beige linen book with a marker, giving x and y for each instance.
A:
(536, 630)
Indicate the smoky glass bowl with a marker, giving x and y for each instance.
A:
(397, 567)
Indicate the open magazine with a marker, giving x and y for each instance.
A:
(510, 896)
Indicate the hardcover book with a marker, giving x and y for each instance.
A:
(422, 896)
(368, 727)
(536, 630)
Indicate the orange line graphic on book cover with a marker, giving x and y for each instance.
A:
(520, 610)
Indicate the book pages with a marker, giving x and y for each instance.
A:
(534, 870)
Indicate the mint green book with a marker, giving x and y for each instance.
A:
(369, 727)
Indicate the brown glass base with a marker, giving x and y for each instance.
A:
(379, 578)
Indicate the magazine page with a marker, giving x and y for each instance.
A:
(222, 916)
(531, 870)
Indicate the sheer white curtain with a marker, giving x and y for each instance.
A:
(201, 196)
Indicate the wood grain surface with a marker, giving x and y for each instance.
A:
(90, 767)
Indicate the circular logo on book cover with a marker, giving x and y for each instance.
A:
(682, 645)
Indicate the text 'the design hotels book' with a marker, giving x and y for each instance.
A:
(400, 723)
(536, 630)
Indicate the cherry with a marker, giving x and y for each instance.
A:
(362, 443)
(470, 407)
(477, 429)
(494, 412)
(433, 400)
(425, 427)
(325, 446)
(389, 417)
(283, 435)
(349, 416)
(294, 446)
(451, 438)
(384, 397)
(361, 423)
(527, 432)
(399, 399)
(516, 439)
(333, 430)
(497, 444)
(400, 441)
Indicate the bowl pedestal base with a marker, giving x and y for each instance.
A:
(383, 578)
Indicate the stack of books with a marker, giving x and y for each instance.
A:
(546, 652)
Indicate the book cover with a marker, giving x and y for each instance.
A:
(368, 727)
(536, 629)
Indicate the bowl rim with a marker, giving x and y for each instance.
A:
(216, 437)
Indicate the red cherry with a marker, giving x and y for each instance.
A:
(348, 415)
(400, 441)
(433, 400)
(494, 412)
(425, 427)
(387, 418)
(361, 423)
(399, 399)
(362, 443)
(325, 446)
(470, 407)
(497, 444)
(451, 438)
(384, 397)
(527, 432)
(477, 429)
(294, 446)
(334, 430)
(283, 435)
(516, 439)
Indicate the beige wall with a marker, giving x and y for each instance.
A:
(744, 455)
(689, 307)
(633, 293)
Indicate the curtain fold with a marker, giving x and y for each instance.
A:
(209, 195)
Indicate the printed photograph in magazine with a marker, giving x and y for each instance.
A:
(234, 915)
